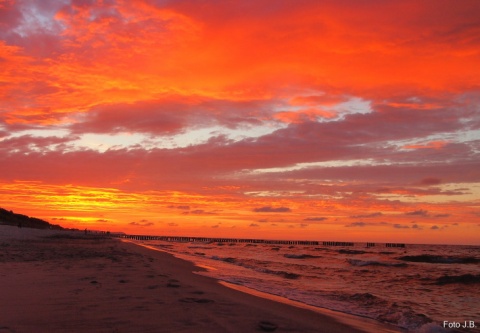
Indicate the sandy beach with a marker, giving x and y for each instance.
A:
(55, 281)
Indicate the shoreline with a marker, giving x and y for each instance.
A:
(54, 281)
(362, 323)
(358, 322)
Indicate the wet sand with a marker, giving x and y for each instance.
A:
(53, 281)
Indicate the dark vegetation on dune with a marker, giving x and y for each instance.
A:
(7, 217)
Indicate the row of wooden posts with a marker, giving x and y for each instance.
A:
(243, 240)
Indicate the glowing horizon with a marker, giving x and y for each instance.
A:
(316, 120)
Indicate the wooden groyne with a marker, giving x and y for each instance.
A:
(184, 239)
(337, 243)
(395, 245)
(216, 240)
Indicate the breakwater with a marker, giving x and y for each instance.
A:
(185, 239)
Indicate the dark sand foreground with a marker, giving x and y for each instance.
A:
(67, 282)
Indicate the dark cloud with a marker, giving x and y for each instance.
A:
(183, 207)
(28, 143)
(419, 212)
(147, 169)
(315, 219)
(415, 191)
(142, 223)
(268, 209)
(357, 224)
(367, 215)
(430, 181)
(169, 115)
(199, 212)
(30, 25)
(387, 224)
(253, 225)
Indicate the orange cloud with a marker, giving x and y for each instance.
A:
(304, 115)
(272, 75)
(119, 52)
(428, 145)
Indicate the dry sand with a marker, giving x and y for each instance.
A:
(53, 281)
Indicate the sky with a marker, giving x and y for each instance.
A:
(337, 120)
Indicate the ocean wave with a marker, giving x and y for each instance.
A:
(392, 313)
(226, 259)
(286, 275)
(351, 251)
(300, 256)
(366, 285)
(366, 298)
(427, 258)
(404, 317)
(462, 279)
(164, 246)
(358, 262)
(257, 265)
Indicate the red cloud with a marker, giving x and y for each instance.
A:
(431, 181)
(27, 143)
(169, 115)
(117, 52)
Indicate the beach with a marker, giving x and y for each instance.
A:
(401, 285)
(70, 282)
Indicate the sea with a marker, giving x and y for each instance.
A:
(417, 288)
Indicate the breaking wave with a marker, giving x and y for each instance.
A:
(300, 256)
(462, 279)
(440, 259)
(386, 311)
(358, 262)
(351, 251)
(257, 265)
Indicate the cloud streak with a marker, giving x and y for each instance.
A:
(268, 209)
